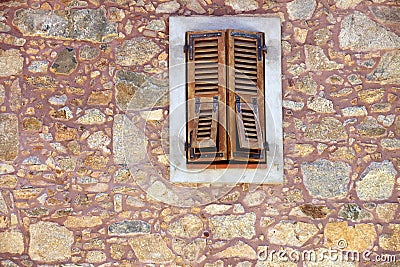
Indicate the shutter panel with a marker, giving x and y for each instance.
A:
(248, 123)
(206, 96)
(205, 122)
(245, 82)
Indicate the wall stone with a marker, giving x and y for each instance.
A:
(128, 136)
(328, 130)
(78, 24)
(151, 248)
(291, 233)
(135, 91)
(391, 241)
(387, 68)
(82, 221)
(239, 250)
(221, 226)
(186, 227)
(11, 62)
(9, 136)
(136, 51)
(65, 62)
(84, 148)
(11, 242)
(360, 33)
(316, 59)
(326, 179)
(301, 9)
(359, 237)
(50, 242)
(128, 227)
(240, 5)
(377, 181)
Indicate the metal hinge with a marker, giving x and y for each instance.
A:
(265, 49)
(266, 145)
(197, 105)
(255, 105)
(190, 46)
(215, 103)
(186, 145)
(238, 104)
(258, 37)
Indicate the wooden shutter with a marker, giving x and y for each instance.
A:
(206, 96)
(205, 122)
(245, 83)
(248, 123)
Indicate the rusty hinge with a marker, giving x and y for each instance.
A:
(190, 46)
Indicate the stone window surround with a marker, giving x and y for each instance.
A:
(273, 171)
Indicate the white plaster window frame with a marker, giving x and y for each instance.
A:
(272, 173)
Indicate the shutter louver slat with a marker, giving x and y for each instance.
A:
(245, 61)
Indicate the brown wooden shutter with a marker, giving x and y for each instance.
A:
(206, 96)
(205, 122)
(248, 123)
(245, 83)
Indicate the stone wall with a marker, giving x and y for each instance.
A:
(83, 83)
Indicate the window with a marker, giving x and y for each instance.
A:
(217, 103)
(225, 96)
